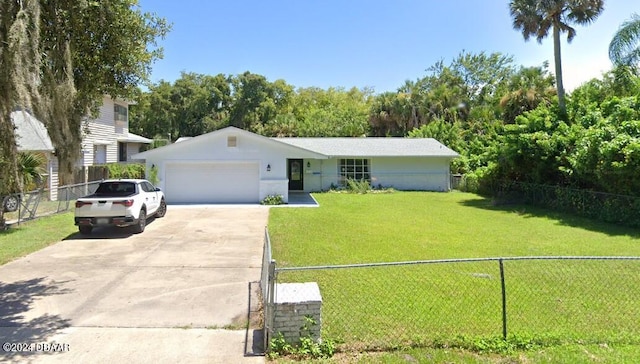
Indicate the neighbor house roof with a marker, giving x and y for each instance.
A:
(135, 138)
(31, 134)
(373, 147)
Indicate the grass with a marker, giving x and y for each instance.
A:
(34, 235)
(414, 225)
(551, 304)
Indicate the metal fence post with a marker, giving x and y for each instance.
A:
(504, 300)
(269, 316)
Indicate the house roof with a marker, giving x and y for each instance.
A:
(31, 134)
(337, 147)
(373, 147)
(135, 138)
(230, 130)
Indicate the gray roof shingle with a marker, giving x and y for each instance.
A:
(31, 134)
(373, 147)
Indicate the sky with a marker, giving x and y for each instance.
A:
(362, 43)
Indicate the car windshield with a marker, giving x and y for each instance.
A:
(116, 189)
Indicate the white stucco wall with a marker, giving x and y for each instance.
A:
(406, 173)
(213, 147)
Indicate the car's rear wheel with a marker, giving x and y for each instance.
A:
(142, 221)
(85, 229)
(162, 209)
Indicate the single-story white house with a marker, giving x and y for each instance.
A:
(232, 165)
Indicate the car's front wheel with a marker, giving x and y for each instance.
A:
(11, 203)
(142, 221)
(162, 209)
(85, 229)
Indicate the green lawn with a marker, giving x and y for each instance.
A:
(548, 302)
(34, 235)
(415, 225)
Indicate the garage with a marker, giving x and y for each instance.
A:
(212, 182)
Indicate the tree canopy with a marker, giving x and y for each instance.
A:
(61, 58)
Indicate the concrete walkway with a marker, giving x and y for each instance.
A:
(182, 291)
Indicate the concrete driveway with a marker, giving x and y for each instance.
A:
(179, 292)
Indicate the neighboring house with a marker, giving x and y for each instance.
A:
(231, 165)
(32, 136)
(106, 139)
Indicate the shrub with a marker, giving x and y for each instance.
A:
(153, 175)
(272, 200)
(131, 170)
(361, 187)
(308, 348)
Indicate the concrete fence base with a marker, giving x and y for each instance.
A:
(293, 303)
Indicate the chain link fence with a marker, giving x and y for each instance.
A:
(607, 207)
(389, 305)
(20, 207)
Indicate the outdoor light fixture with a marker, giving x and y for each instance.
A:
(268, 167)
(308, 164)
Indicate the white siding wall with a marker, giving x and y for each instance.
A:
(132, 148)
(52, 170)
(102, 130)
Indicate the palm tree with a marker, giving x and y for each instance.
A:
(526, 89)
(31, 169)
(537, 17)
(624, 49)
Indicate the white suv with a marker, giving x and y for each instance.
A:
(122, 202)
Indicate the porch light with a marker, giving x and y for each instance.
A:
(268, 167)
(308, 164)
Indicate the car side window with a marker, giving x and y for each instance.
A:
(144, 187)
(149, 187)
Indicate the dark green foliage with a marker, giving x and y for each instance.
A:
(611, 208)
(197, 104)
(308, 348)
(361, 187)
(272, 200)
(131, 170)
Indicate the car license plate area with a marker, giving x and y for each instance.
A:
(102, 221)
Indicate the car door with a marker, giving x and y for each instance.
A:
(150, 197)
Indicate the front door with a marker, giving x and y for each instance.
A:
(294, 172)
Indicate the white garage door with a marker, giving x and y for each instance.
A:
(212, 182)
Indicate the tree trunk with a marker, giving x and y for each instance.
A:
(558, 64)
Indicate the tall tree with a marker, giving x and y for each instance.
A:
(58, 58)
(20, 60)
(624, 49)
(538, 17)
(91, 48)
